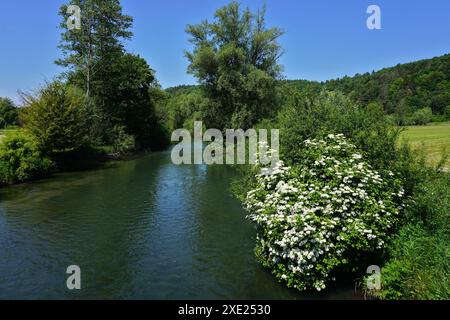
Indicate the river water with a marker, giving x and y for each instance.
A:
(138, 229)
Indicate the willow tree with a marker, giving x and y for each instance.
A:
(235, 58)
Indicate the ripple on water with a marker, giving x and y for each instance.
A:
(139, 229)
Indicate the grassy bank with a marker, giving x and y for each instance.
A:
(419, 256)
(433, 138)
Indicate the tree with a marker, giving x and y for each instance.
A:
(98, 42)
(57, 117)
(403, 111)
(8, 113)
(130, 94)
(120, 87)
(421, 116)
(185, 108)
(90, 52)
(235, 58)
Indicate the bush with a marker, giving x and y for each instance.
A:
(21, 159)
(57, 117)
(121, 141)
(367, 127)
(438, 118)
(319, 215)
(419, 257)
(421, 117)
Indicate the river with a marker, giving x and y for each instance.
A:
(138, 229)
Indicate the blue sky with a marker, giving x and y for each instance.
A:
(323, 39)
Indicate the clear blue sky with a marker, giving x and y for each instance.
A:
(323, 40)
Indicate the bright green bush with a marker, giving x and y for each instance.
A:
(419, 257)
(421, 117)
(121, 141)
(57, 117)
(21, 159)
(302, 119)
(320, 214)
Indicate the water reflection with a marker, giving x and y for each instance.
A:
(138, 229)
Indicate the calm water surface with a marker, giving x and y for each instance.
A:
(140, 229)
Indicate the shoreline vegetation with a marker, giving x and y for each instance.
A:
(353, 187)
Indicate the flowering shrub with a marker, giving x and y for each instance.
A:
(313, 217)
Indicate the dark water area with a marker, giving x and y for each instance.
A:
(138, 229)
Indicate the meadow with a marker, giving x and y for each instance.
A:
(433, 138)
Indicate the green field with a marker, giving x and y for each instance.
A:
(433, 138)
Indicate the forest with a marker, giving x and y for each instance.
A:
(414, 93)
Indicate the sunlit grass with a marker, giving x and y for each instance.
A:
(434, 139)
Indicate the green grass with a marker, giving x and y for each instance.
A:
(434, 139)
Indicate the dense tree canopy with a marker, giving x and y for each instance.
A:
(8, 113)
(407, 91)
(129, 93)
(235, 58)
(121, 88)
(419, 84)
(91, 49)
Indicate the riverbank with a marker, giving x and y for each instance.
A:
(21, 159)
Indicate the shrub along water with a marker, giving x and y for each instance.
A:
(419, 256)
(21, 159)
(312, 118)
(322, 213)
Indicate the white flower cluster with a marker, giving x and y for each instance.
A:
(313, 216)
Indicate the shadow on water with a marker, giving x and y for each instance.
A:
(143, 228)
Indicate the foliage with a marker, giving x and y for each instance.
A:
(235, 59)
(181, 89)
(419, 257)
(319, 214)
(121, 88)
(121, 141)
(302, 119)
(57, 117)
(447, 112)
(420, 84)
(91, 49)
(421, 117)
(185, 108)
(129, 96)
(21, 158)
(8, 113)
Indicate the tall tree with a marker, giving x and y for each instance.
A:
(130, 95)
(90, 52)
(91, 48)
(235, 58)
